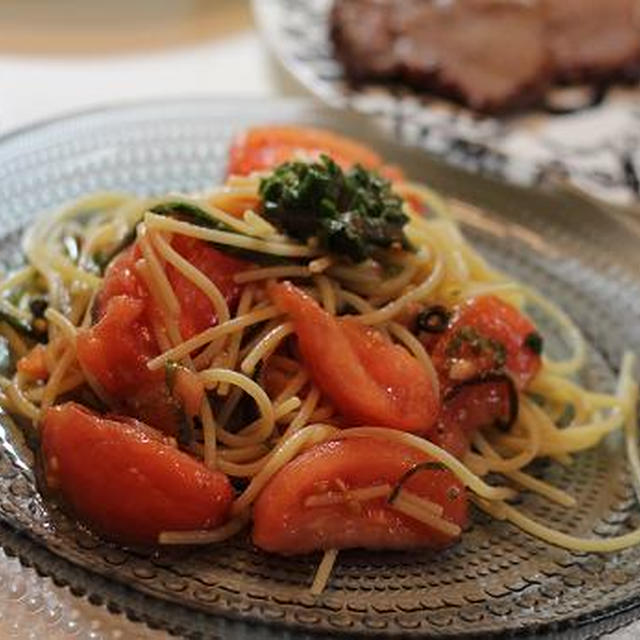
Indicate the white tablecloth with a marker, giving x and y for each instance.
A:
(78, 54)
(59, 57)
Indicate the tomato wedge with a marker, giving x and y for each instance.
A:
(34, 364)
(487, 334)
(263, 148)
(115, 350)
(125, 480)
(286, 522)
(114, 353)
(369, 379)
(485, 401)
(197, 312)
(488, 352)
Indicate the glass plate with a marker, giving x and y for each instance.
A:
(596, 148)
(497, 582)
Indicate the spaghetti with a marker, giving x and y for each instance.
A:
(259, 402)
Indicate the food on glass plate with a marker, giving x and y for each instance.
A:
(492, 55)
(311, 350)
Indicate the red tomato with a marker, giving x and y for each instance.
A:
(262, 148)
(189, 389)
(116, 349)
(284, 523)
(498, 333)
(369, 379)
(124, 480)
(197, 312)
(274, 378)
(34, 364)
(448, 435)
(471, 406)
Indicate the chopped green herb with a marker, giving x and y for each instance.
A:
(478, 344)
(30, 330)
(453, 493)
(538, 398)
(351, 214)
(188, 212)
(535, 342)
(567, 416)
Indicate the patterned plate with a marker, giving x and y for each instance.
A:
(497, 582)
(598, 148)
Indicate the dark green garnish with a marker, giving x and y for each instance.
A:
(433, 319)
(478, 344)
(423, 466)
(36, 330)
(538, 398)
(535, 342)
(188, 212)
(567, 416)
(351, 214)
(453, 493)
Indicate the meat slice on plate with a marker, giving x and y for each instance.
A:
(593, 39)
(490, 55)
(363, 33)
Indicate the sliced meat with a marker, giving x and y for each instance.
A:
(362, 31)
(492, 55)
(593, 39)
(488, 54)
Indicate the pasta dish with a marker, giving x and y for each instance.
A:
(311, 352)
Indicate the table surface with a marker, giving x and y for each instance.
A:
(69, 55)
(60, 57)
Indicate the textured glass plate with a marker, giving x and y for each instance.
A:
(598, 148)
(497, 582)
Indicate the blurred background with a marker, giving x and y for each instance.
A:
(70, 54)
(62, 56)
